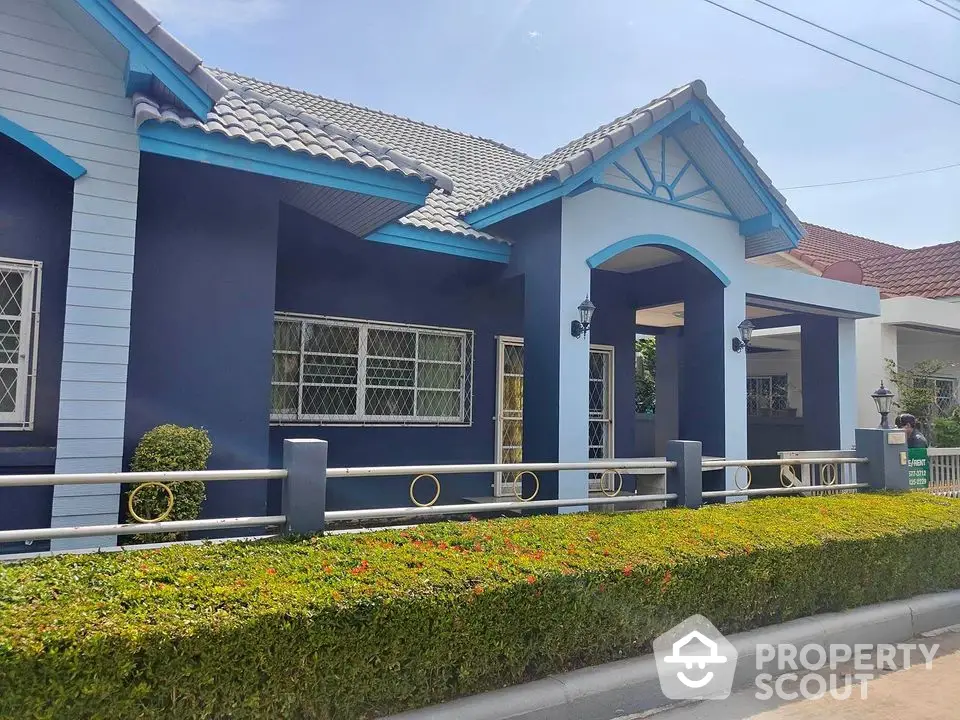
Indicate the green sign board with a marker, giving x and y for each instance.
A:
(918, 468)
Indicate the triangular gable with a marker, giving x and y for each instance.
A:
(152, 54)
(698, 129)
(661, 170)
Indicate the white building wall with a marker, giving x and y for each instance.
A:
(56, 83)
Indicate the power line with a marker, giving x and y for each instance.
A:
(832, 53)
(857, 42)
(939, 9)
(871, 179)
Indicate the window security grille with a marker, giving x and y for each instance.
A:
(346, 371)
(767, 394)
(19, 324)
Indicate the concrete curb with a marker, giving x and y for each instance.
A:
(632, 686)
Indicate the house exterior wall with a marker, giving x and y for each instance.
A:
(596, 220)
(201, 348)
(324, 271)
(35, 211)
(55, 83)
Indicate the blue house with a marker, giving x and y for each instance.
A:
(182, 244)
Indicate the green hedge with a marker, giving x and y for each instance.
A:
(354, 626)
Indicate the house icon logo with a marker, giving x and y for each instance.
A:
(694, 661)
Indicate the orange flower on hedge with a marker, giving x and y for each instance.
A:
(361, 568)
(478, 589)
(531, 579)
(271, 571)
(667, 577)
(628, 570)
(442, 545)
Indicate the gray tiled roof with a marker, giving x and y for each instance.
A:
(183, 56)
(573, 157)
(474, 163)
(258, 118)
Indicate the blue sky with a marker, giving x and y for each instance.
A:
(535, 74)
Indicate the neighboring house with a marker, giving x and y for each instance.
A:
(187, 245)
(919, 319)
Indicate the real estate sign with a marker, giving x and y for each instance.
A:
(918, 468)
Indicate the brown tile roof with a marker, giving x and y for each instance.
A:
(821, 246)
(931, 272)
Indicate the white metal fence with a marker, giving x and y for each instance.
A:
(305, 490)
(944, 471)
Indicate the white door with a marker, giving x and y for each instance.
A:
(509, 418)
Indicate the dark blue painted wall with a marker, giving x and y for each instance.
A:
(819, 367)
(323, 271)
(202, 316)
(35, 206)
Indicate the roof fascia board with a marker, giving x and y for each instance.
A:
(146, 56)
(41, 147)
(790, 229)
(215, 149)
(436, 241)
(550, 189)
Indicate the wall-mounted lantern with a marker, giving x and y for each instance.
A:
(579, 327)
(746, 329)
(884, 401)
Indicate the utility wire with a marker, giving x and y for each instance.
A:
(940, 9)
(857, 42)
(832, 53)
(871, 179)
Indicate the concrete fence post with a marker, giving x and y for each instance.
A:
(686, 479)
(886, 454)
(305, 487)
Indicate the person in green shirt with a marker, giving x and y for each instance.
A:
(908, 423)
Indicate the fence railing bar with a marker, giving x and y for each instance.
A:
(773, 462)
(383, 471)
(139, 529)
(755, 492)
(138, 477)
(473, 508)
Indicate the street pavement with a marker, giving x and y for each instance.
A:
(914, 692)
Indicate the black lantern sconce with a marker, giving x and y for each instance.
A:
(578, 328)
(746, 329)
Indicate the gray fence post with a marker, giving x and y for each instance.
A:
(686, 479)
(886, 454)
(305, 487)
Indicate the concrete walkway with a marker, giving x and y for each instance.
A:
(915, 692)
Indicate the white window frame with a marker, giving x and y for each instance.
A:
(934, 380)
(502, 485)
(22, 416)
(361, 417)
(770, 381)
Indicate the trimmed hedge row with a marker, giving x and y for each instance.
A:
(356, 626)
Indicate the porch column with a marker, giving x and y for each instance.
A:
(555, 373)
(713, 377)
(828, 362)
(667, 416)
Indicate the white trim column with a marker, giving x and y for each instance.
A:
(735, 381)
(847, 376)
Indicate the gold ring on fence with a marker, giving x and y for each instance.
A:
(832, 475)
(436, 495)
(788, 478)
(617, 486)
(162, 516)
(518, 486)
(736, 477)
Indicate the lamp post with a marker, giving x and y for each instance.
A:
(884, 401)
(578, 328)
(746, 329)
